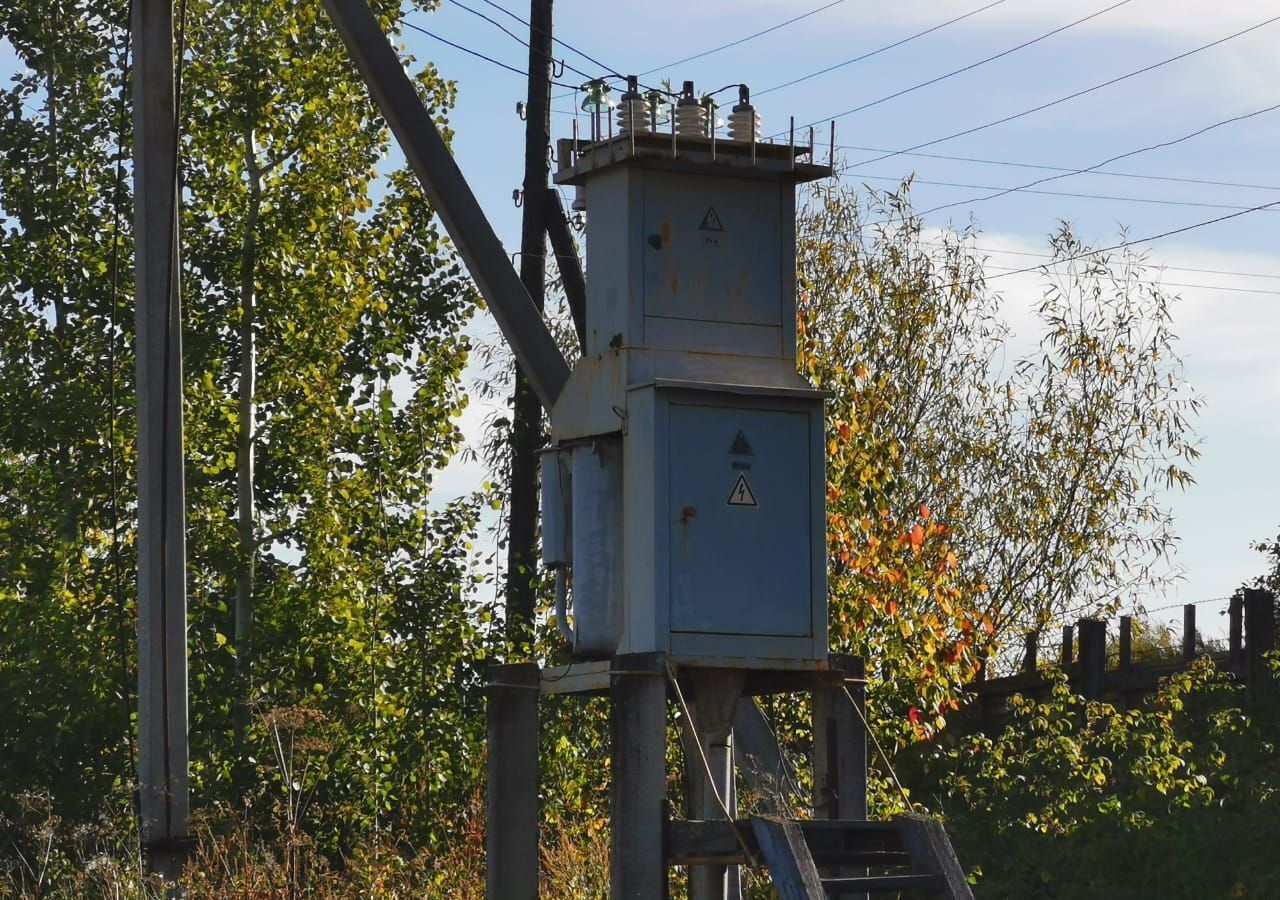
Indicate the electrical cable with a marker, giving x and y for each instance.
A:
(750, 37)
(609, 70)
(1027, 165)
(476, 53)
(1175, 284)
(1049, 256)
(1028, 190)
(879, 50)
(1072, 96)
(507, 31)
(1001, 192)
(963, 69)
(1123, 244)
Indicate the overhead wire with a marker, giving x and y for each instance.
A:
(1129, 243)
(1063, 99)
(750, 37)
(507, 31)
(605, 69)
(1026, 188)
(973, 65)
(476, 53)
(1047, 256)
(1091, 170)
(898, 43)
(1176, 284)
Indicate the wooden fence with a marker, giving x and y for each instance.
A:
(1083, 655)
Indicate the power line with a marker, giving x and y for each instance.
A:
(1205, 287)
(606, 70)
(750, 37)
(1000, 192)
(1143, 240)
(1028, 190)
(919, 34)
(1027, 165)
(1063, 99)
(507, 31)
(1046, 256)
(476, 53)
(981, 62)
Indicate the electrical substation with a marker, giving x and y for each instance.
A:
(682, 493)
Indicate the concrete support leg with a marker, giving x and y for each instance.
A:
(511, 836)
(715, 694)
(840, 758)
(638, 738)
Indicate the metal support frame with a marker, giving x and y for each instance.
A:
(163, 796)
(511, 836)
(569, 263)
(519, 319)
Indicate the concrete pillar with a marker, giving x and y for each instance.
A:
(511, 834)
(637, 800)
(840, 758)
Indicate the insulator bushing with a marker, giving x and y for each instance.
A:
(633, 115)
(691, 120)
(744, 123)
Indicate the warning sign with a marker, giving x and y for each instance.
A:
(742, 495)
(711, 221)
(741, 447)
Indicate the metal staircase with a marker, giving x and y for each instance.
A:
(818, 859)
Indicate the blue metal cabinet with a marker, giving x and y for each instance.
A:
(740, 521)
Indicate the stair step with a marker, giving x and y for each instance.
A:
(867, 858)
(878, 884)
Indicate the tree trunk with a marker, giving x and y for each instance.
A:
(245, 506)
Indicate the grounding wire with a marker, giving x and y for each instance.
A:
(878, 50)
(971, 66)
(476, 53)
(1028, 190)
(1072, 96)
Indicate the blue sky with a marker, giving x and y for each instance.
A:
(1228, 338)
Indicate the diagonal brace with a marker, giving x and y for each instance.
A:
(520, 321)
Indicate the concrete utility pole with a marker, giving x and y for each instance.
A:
(526, 428)
(162, 552)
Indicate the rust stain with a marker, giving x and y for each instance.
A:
(666, 233)
(686, 514)
(675, 284)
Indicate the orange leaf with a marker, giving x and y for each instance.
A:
(924, 510)
(916, 537)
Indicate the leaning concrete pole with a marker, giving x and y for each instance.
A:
(162, 598)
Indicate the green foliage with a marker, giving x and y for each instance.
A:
(1075, 799)
(364, 613)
